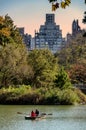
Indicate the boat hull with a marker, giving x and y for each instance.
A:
(34, 118)
(29, 118)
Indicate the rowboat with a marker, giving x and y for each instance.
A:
(30, 118)
(34, 118)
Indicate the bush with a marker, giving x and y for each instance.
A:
(69, 97)
(41, 96)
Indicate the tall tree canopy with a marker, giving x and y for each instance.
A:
(63, 81)
(73, 52)
(14, 67)
(8, 31)
(73, 58)
(44, 67)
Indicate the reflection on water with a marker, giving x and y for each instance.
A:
(62, 118)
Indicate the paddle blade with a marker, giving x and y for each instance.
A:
(19, 113)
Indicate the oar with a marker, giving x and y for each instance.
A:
(50, 114)
(46, 114)
(22, 113)
(29, 114)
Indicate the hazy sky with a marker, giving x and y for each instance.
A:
(31, 13)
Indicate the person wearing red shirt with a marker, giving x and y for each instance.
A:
(33, 114)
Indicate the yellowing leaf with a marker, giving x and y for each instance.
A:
(63, 5)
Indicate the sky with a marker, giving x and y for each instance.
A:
(31, 14)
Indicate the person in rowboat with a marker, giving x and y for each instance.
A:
(33, 114)
(37, 112)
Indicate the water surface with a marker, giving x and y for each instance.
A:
(63, 118)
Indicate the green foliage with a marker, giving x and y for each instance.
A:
(74, 51)
(73, 58)
(62, 81)
(27, 95)
(44, 67)
(14, 68)
(8, 31)
(81, 96)
(68, 96)
(19, 90)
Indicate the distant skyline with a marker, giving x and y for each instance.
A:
(31, 14)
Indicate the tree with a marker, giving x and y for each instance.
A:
(77, 73)
(44, 66)
(73, 58)
(8, 31)
(73, 52)
(63, 81)
(14, 68)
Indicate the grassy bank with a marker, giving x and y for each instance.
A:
(26, 95)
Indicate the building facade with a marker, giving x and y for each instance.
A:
(49, 35)
(75, 27)
(26, 37)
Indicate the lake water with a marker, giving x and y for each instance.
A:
(63, 118)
